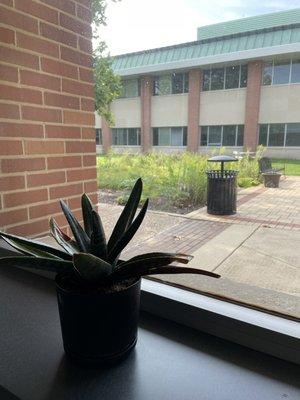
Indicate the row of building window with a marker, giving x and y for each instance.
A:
(270, 135)
(231, 77)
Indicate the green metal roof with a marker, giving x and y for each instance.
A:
(249, 24)
(214, 46)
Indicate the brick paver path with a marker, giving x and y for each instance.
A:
(270, 207)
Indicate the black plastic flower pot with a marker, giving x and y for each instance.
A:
(98, 328)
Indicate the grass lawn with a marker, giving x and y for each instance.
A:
(292, 167)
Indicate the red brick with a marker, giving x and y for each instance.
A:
(23, 164)
(41, 114)
(76, 57)
(20, 94)
(89, 160)
(8, 183)
(9, 111)
(38, 45)
(58, 35)
(7, 2)
(18, 20)
(91, 187)
(146, 99)
(59, 100)
(37, 10)
(12, 129)
(86, 3)
(26, 197)
(19, 57)
(78, 88)
(31, 228)
(72, 24)
(58, 131)
(81, 174)
(88, 133)
(84, 13)
(10, 147)
(81, 147)
(65, 191)
(13, 217)
(7, 35)
(44, 209)
(79, 118)
(74, 203)
(85, 45)
(195, 84)
(63, 162)
(9, 74)
(40, 80)
(86, 75)
(45, 179)
(87, 104)
(59, 68)
(44, 147)
(65, 5)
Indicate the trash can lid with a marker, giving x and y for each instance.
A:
(222, 158)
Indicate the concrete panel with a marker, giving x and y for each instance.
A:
(127, 113)
(280, 103)
(221, 107)
(213, 151)
(292, 153)
(126, 149)
(169, 110)
(168, 149)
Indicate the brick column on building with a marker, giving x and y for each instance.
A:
(47, 135)
(195, 85)
(146, 96)
(106, 136)
(252, 104)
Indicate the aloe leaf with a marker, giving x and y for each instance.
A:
(127, 214)
(168, 269)
(150, 260)
(98, 240)
(80, 236)
(87, 209)
(62, 239)
(26, 245)
(128, 235)
(27, 249)
(45, 264)
(91, 268)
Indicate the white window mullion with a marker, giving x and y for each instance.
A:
(236, 134)
(290, 77)
(222, 135)
(268, 133)
(285, 130)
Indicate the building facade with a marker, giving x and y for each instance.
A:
(237, 86)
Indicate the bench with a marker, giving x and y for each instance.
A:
(265, 166)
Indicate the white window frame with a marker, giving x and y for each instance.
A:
(272, 77)
(138, 135)
(220, 145)
(156, 78)
(170, 135)
(284, 138)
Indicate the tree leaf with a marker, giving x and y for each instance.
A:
(128, 235)
(98, 240)
(17, 242)
(91, 268)
(127, 214)
(62, 239)
(80, 236)
(87, 209)
(45, 264)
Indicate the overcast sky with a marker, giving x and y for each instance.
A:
(134, 25)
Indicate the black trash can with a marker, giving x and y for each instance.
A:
(221, 188)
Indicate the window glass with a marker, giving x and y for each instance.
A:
(229, 134)
(164, 138)
(155, 136)
(240, 135)
(215, 136)
(281, 72)
(184, 136)
(276, 135)
(132, 137)
(177, 83)
(98, 137)
(206, 79)
(203, 135)
(164, 85)
(186, 83)
(244, 76)
(176, 137)
(217, 78)
(130, 88)
(293, 135)
(295, 73)
(263, 134)
(232, 77)
(267, 73)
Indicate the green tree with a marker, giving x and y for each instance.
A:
(107, 85)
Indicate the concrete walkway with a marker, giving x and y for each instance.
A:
(255, 251)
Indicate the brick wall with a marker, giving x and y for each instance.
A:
(47, 139)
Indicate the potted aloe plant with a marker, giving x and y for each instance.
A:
(98, 293)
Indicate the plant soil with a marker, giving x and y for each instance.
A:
(110, 196)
